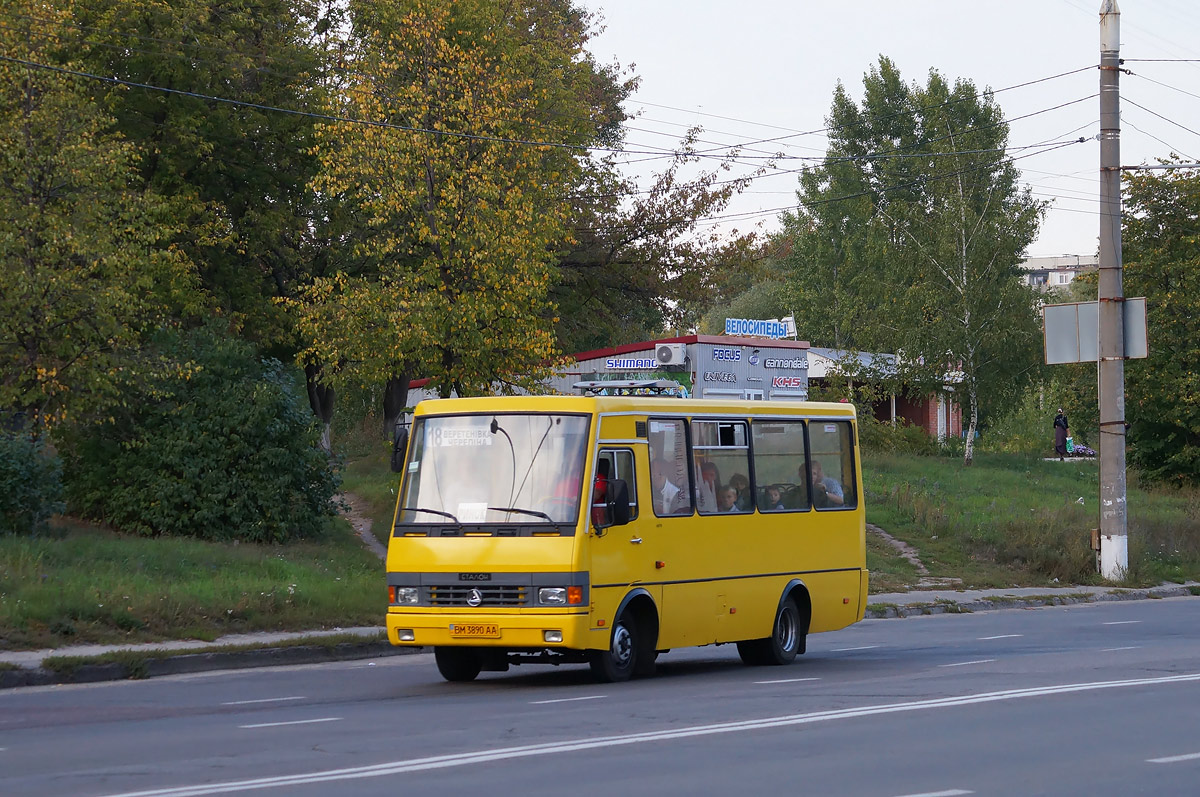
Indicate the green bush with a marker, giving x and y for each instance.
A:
(880, 437)
(210, 442)
(30, 484)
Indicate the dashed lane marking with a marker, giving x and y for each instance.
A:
(1173, 759)
(293, 722)
(846, 650)
(1122, 622)
(565, 700)
(261, 700)
(1127, 647)
(787, 681)
(965, 663)
(999, 636)
(947, 793)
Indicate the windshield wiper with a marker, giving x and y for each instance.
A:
(533, 512)
(432, 512)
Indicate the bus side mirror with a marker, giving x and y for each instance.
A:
(399, 446)
(616, 503)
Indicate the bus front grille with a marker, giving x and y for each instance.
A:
(492, 595)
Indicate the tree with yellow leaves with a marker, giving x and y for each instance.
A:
(458, 187)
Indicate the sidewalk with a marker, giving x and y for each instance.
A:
(938, 601)
(182, 657)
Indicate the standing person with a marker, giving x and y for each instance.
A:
(1061, 430)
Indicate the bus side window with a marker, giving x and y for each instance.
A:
(831, 447)
(722, 453)
(780, 482)
(619, 466)
(670, 482)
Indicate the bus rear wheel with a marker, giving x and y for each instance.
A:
(618, 662)
(458, 664)
(783, 644)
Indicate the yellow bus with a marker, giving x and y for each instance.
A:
(610, 529)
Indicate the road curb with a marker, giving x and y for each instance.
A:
(155, 665)
(948, 606)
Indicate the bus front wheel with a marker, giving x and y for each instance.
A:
(618, 662)
(783, 644)
(458, 664)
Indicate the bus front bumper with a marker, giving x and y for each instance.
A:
(509, 631)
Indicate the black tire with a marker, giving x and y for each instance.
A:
(620, 660)
(783, 644)
(458, 664)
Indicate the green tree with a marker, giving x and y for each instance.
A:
(88, 260)
(911, 235)
(461, 215)
(1161, 257)
(238, 174)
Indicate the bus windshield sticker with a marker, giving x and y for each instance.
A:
(830, 428)
(460, 436)
(472, 511)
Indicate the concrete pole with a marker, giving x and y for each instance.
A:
(1114, 532)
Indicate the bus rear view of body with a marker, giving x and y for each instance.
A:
(608, 530)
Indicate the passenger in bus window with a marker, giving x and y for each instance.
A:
(668, 497)
(600, 492)
(727, 499)
(772, 499)
(741, 485)
(827, 491)
(708, 487)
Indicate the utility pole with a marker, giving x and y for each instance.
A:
(1114, 531)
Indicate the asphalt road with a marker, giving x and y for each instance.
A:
(1092, 699)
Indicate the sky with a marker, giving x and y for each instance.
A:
(747, 70)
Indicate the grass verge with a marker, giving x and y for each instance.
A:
(86, 584)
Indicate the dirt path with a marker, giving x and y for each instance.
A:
(910, 554)
(356, 513)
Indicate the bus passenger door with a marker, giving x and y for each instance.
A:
(623, 557)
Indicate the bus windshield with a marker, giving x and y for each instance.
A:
(501, 468)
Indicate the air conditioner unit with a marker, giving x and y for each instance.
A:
(671, 353)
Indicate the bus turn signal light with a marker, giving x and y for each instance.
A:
(574, 595)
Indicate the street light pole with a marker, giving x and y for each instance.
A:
(1114, 533)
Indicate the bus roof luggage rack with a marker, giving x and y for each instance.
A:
(630, 387)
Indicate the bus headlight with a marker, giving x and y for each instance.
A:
(552, 596)
(404, 595)
(560, 596)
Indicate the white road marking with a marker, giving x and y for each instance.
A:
(787, 681)
(577, 745)
(1123, 622)
(1127, 647)
(261, 700)
(565, 700)
(843, 650)
(965, 663)
(947, 793)
(998, 636)
(293, 722)
(1173, 759)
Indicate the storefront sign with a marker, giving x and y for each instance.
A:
(788, 381)
(727, 355)
(719, 376)
(760, 328)
(800, 363)
(631, 363)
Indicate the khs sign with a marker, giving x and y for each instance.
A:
(787, 381)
